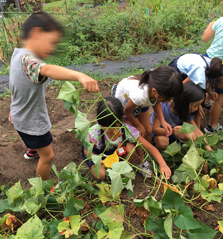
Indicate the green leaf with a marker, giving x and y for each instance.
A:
(185, 219)
(115, 230)
(54, 233)
(101, 234)
(129, 188)
(97, 161)
(69, 208)
(154, 207)
(200, 139)
(213, 170)
(105, 193)
(204, 232)
(172, 199)
(173, 149)
(157, 225)
(192, 160)
(218, 156)
(212, 139)
(122, 167)
(69, 93)
(215, 195)
(168, 226)
(4, 205)
(116, 182)
(81, 123)
(56, 172)
(72, 228)
(15, 191)
(113, 214)
(99, 209)
(31, 207)
(48, 184)
(127, 235)
(37, 186)
(139, 202)
(187, 128)
(33, 228)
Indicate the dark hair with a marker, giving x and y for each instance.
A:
(165, 80)
(42, 20)
(215, 70)
(191, 93)
(104, 116)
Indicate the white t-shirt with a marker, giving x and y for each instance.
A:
(194, 67)
(128, 88)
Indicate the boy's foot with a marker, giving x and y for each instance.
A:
(210, 130)
(31, 154)
(145, 166)
(208, 105)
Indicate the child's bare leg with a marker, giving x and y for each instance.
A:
(130, 150)
(187, 137)
(216, 111)
(161, 142)
(144, 119)
(46, 156)
(102, 172)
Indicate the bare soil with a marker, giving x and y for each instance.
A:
(67, 148)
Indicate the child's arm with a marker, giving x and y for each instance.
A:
(157, 130)
(156, 154)
(199, 133)
(60, 73)
(130, 106)
(208, 33)
(158, 110)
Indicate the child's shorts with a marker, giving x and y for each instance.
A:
(36, 141)
(172, 138)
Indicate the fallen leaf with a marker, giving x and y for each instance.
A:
(220, 177)
(205, 169)
(209, 207)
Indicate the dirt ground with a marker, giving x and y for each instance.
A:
(67, 148)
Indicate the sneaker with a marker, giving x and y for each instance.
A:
(208, 105)
(30, 154)
(145, 166)
(210, 130)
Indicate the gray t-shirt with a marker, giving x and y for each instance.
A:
(28, 108)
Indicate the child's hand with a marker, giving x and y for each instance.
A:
(176, 130)
(89, 83)
(141, 130)
(166, 170)
(9, 118)
(213, 95)
(167, 127)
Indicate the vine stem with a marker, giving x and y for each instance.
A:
(193, 204)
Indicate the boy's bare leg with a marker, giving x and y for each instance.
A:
(46, 156)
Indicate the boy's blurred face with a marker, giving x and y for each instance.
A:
(46, 43)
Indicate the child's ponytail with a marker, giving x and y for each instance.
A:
(215, 70)
(145, 78)
(165, 80)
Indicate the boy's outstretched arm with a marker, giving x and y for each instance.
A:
(156, 154)
(60, 73)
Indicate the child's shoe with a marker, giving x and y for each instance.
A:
(145, 166)
(31, 154)
(210, 130)
(207, 105)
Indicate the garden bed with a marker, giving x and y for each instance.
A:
(67, 149)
